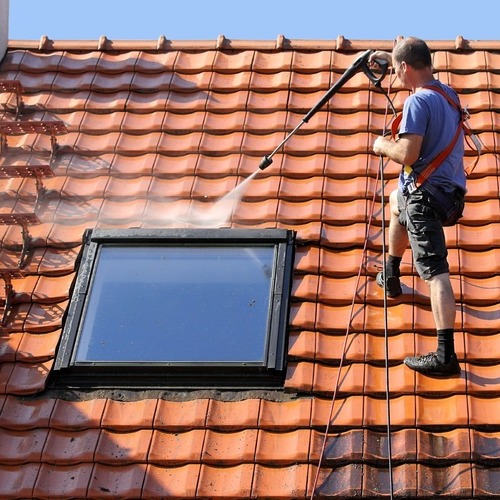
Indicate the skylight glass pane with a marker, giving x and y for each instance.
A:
(179, 304)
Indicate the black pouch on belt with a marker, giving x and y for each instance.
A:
(448, 206)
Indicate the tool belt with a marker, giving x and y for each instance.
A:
(449, 207)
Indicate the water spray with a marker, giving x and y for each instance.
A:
(360, 64)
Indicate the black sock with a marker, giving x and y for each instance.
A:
(392, 265)
(446, 345)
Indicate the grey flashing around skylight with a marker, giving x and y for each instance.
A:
(178, 308)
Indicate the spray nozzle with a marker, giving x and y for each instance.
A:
(265, 162)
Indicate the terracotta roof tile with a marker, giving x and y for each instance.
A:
(479, 348)
(122, 448)
(28, 414)
(230, 82)
(222, 448)
(271, 62)
(332, 348)
(114, 481)
(484, 445)
(112, 101)
(461, 483)
(344, 481)
(176, 144)
(337, 447)
(400, 380)
(345, 412)
(190, 82)
(402, 411)
(483, 380)
(147, 62)
(307, 82)
(122, 416)
(270, 82)
(9, 346)
(375, 447)
(166, 166)
(150, 82)
(117, 63)
(178, 416)
(232, 415)
(276, 415)
(22, 447)
(77, 415)
(5, 373)
(70, 447)
(233, 62)
(484, 479)
(281, 481)
(62, 480)
(28, 378)
(175, 448)
(480, 406)
(232, 481)
(18, 478)
(36, 347)
(174, 481)
(299, 376)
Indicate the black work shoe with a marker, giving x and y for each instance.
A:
(429, 364)
(392, 285)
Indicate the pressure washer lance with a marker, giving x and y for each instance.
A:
(360, 64)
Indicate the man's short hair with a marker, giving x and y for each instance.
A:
(414, 52)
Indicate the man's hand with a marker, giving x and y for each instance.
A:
(381, 55)
(404, 151)
(380, 145)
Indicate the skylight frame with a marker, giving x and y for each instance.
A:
(270, 372)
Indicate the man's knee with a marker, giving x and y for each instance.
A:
(441, 277)
(393, 203)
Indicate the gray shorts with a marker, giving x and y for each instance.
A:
(425, 232)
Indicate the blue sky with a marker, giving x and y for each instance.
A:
(254, 19)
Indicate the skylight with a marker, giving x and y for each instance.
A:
(178, 307)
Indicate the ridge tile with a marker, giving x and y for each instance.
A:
(165, 134)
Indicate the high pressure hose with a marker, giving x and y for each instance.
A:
(379, 176)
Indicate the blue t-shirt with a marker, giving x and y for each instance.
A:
(429, 114)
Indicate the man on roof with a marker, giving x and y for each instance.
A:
(428, 197)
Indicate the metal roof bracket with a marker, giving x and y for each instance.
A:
(7, 275)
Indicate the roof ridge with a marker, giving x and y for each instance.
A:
(104, 44)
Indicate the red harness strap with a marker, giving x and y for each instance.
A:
(438, 159)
